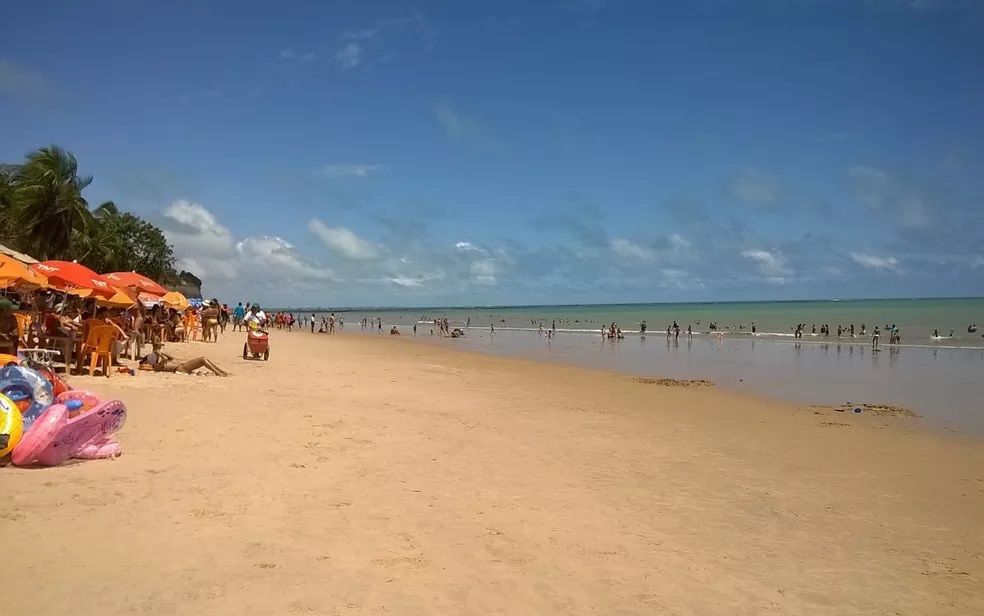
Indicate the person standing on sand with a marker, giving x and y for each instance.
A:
(237, 317)
(875, 335)
(379, 320)
(312, 322)
(331, 323)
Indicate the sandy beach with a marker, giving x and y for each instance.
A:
(356, 474)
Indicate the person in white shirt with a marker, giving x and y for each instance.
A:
(255, 315)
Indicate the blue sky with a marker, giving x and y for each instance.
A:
(398, 153)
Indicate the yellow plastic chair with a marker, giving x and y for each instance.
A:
(23, 325)
(98, 344)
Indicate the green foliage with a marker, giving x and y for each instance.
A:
(43, 214)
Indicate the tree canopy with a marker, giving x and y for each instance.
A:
(44, 214)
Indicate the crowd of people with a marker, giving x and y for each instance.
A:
(54, 327)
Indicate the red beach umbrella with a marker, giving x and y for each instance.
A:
(71, 276)
(133, 279)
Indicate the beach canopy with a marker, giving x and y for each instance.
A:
(120, 300)
(13, 273)
(175, 300)
(72, 276)
(133, 279)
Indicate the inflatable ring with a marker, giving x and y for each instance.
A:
(75, 435)
(6, 359)
(58, 386)
(11, 426)
(41, 435)
(23, 382)
(88, 399)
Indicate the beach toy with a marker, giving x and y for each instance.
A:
(9, 359)
(55, 437)
(107, 447)
(24, 383)
(41, 435)
(78, 401)
(11, 426)
(58, 386)
(76, 434)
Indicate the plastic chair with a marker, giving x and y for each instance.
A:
(192, 327)
(23, 325)
(99, 343)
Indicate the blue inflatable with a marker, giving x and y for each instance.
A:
(20, 383)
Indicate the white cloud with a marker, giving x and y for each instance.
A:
(350, 170)
(771, 264)
(455, 124)
(870, 184)
(344, 241)
(349, 56)
(484, 268)
(207, 248)
(875, 262)
(678, 242)
(194, 231)
(907, 206)
(278, 254)
(755, 187)
(627, 249)
(467, 247)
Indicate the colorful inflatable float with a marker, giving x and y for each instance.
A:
(11, 425)
(28, 389)
(44, 422)
(56, 436)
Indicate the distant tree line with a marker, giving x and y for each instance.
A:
(44, 214)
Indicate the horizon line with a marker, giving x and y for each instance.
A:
(598, 305)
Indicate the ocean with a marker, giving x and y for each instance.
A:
(916, 319)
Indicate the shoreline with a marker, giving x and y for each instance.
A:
(801, 375)
(354, 475)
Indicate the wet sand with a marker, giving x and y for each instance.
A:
(371, 475)
(942, 385)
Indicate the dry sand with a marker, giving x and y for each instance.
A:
(363, 475)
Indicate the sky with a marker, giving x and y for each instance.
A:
(346, 153)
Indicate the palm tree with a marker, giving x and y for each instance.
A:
(8, 174)
(47, 203)
(100, 246)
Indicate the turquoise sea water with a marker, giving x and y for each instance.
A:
(917, 319)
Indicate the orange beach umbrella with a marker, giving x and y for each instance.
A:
(13, 273)
(119, 300)
(70, 276)
(133, 279)
(176, 300)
